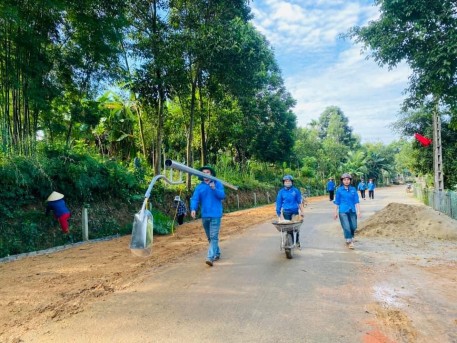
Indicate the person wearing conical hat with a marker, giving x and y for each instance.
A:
(181, 209)
(56, 203)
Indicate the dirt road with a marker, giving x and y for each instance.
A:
(398, 285)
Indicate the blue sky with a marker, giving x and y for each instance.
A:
(321, 70)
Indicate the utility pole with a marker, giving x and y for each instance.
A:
(437, 148)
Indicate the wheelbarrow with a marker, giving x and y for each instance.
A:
(289, 231)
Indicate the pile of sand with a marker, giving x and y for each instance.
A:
(409, 221)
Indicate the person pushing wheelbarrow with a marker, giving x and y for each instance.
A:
(289, 202)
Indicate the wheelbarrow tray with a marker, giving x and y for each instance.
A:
(287, 226)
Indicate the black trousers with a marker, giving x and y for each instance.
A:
(331, 195)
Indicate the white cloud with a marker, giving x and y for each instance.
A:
(320, 70)
(294, 27)
(368, 95)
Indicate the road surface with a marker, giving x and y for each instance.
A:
(326, 293)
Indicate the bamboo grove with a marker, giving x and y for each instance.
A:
(186, 79)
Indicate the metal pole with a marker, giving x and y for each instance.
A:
(85, 224)
(192, 171)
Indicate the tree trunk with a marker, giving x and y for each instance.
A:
(202, 126)
(190, 137)
(158, 159)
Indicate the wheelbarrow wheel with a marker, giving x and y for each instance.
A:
(289, 244)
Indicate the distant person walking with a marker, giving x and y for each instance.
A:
(56, 203)
(371, 186)
(362, 186)
(289, 201)
(331, 188)
(181, 209)
(347, 208)
(209, 195)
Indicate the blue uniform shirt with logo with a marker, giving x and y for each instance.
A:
(209, 200)
(346, 199)
(288, 199)
(362, 186)
(330, 185)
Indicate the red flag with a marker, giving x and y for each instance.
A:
(424, 141)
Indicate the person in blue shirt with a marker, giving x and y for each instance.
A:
(362, 186)
(208, 195)
(331, 188)
(371, 186)
(289, 201)
(56, 204)
(347, 208)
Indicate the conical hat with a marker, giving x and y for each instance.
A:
(55, 196)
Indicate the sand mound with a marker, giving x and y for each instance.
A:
(409, 221)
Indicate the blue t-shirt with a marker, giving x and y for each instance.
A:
(210, 200)
(288, 199)
(330, 186)
(58, 206)
(346, 199)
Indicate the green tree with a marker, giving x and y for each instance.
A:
(53, 50)
(334, 124)
(196, 42)
(87, 49)
(115, 132)
(419, 121)
(27, 82)
(149, 44)
(404, 159)
(356, 164)
(250, 74)
(380, 162)
(422, 33)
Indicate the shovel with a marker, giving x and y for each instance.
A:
(142, 232)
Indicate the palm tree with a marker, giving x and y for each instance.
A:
(379, 168)
(356, 164)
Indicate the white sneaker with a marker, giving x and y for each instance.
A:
(351, 245)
